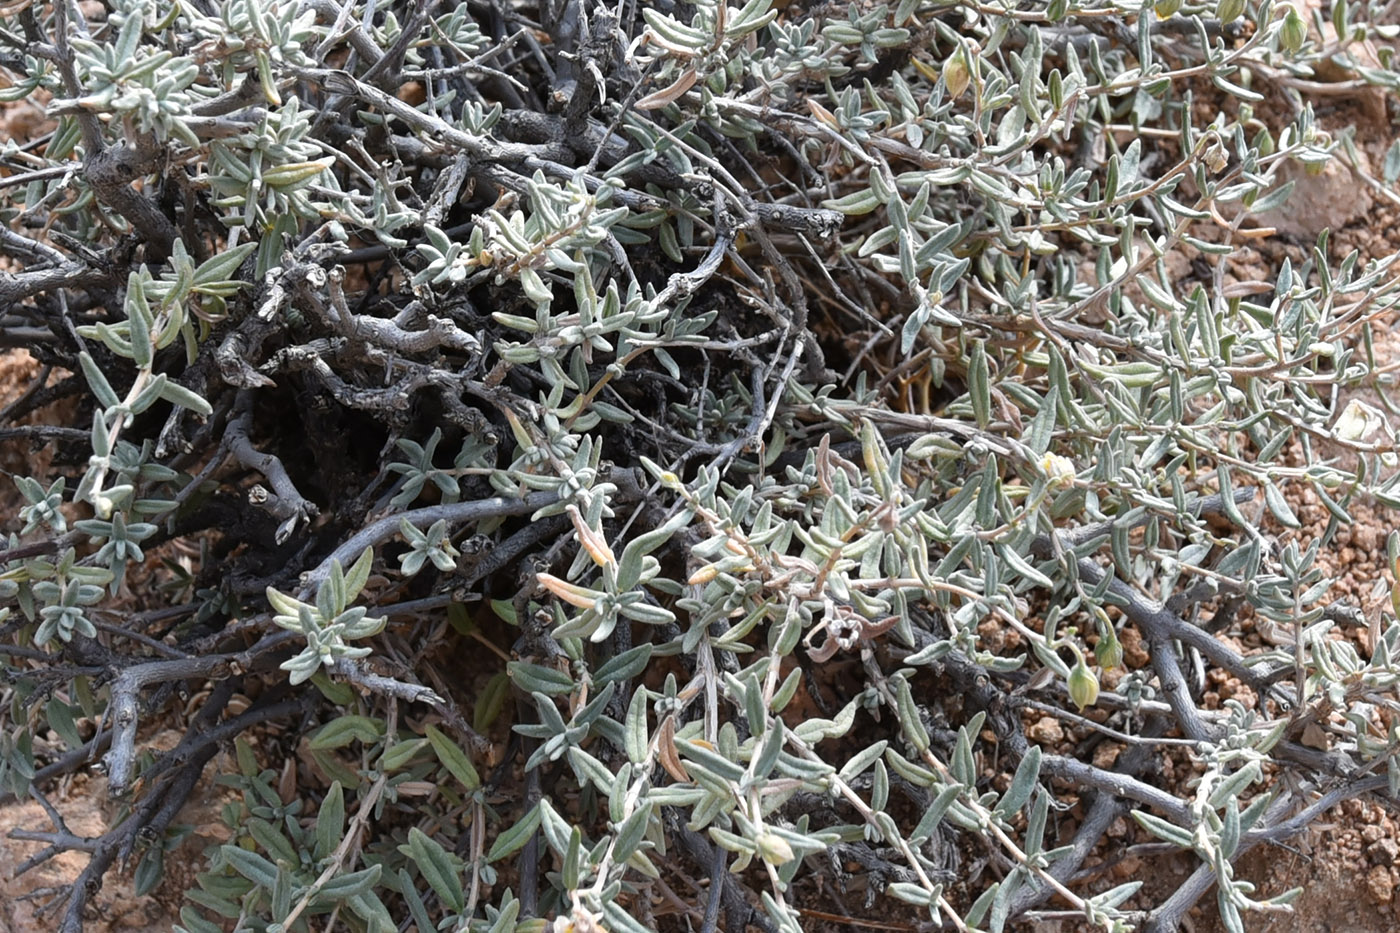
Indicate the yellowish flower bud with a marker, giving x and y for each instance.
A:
(1294, 31)
(1227, 11)
(1109, 651)
(1083, 686)
(1059, 470)
(593, 542)
(774, 849)
(704, 575)
(956, 75)
(570, 593)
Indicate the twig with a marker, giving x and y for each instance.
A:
(289, 506)
(15, 288)
(456, 513)
(130, 682)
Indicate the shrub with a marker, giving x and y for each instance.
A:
(790, 400)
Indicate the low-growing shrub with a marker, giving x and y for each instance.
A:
(550, 453)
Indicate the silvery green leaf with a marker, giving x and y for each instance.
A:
(1230, 788)
(979, 384)
(880, 787)
(909, 717)
(618, 918)
(456, 761)
(250, 865)
(1164, 830)
(1279, 507)
(177, 394)
(771, 747)
(330, 821)
(572, 859)
(624, 666)
(1024, 781)
(630, 564)
(915, 774)
(712, 761)
(1230, 829)
(862, 760)
(350, 884)
(646, 613)
(342, 731)
(1390, 168)
(302, 666)
(629, 834)
(438, 867)
(1042, 426)
(101, 388)
(855, 204)
(591, 769)
(515, 837)
(909, 893)
(535, 678)
(140, 320)
(1023, 567)
(973, 918)
(1001, 904)
(636, 726)
(961, 765)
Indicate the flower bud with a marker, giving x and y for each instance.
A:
(704, 575)
(1227, 11)
(773, 848)
(1294, 31)
(1215, 156)
(1109, 651)
(956, 75)
(1083, 686)
(1058, 470)
(571, 593)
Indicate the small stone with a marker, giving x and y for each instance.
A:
(1366, 537)
(1331, 198)
(1046, 731)
(1380, 885)
(1134, 654)
(1372, 833)
(1106, 755)
(1128, 868)
(1384, 852)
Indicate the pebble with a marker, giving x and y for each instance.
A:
(1380, 885)
(1046, 731)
